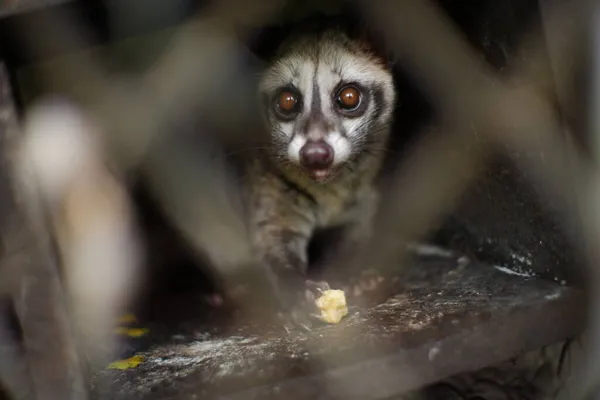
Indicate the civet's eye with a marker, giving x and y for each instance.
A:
(287, 104)
(348, 98)
(287, 101)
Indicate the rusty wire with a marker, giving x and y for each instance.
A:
(481, 113)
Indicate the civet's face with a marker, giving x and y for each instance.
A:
(325, 99)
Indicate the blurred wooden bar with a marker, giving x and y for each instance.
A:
(30, 279)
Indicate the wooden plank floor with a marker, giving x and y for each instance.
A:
(446, 318)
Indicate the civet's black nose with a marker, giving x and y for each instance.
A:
(316, 155)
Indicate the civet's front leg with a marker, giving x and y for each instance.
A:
(281, 240)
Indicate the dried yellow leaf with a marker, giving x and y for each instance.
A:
(131, 332)
(127, 363)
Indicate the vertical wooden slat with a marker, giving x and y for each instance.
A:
(30, 265)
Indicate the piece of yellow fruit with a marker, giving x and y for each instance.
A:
(333, 306)
(127, 363)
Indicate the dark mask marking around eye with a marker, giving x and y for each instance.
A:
(378, 100)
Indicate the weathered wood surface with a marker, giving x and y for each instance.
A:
(447, 318)
(539, 374)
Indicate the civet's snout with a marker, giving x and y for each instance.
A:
(316, 155)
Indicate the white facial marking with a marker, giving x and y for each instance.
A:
(341, 147)
(306, 72)
(294, 147)
(287, 127)
(327, 81)
(352, 126)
